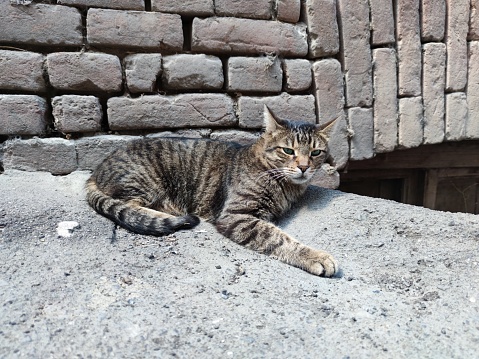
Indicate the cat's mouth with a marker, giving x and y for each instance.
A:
(301, 177)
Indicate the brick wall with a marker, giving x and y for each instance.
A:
(80, 77)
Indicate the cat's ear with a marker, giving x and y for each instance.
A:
(326, 129)
(271, 122)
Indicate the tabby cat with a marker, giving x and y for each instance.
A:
(162, 185)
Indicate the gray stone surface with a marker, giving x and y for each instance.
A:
(410, 128)
(254, 74)
(385, 100)
(111, 4)
(320, 16)
(187, 110)
(21, 71)
(288, 10)
(54, 155)
(298, 75)
(23, 115)
(185, 7)
(74, 113)
(361, 123)
(85, 71)
(474, 21)
(142, 72)
(356, 52)
(433, 19)
(258, 9)
(472, 126)
(456, 42)
(407, 286)
(192, 72)
(134, 29)
(247, 36)
(251, 109)
(456, 116)
(434, 83)
(382, 22)
(40, 24)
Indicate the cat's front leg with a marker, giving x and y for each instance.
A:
(265, 237)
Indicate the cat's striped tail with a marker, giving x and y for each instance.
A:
(134, 217)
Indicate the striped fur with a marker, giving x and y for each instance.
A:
(159, 186)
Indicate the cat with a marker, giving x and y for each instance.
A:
(157, 186)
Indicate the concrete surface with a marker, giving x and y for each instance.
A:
(408, 286)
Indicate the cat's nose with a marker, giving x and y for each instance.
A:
(303, 168)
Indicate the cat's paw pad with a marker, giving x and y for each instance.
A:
(323, 265)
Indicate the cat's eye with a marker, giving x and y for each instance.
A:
(288, 151)
(315, 153)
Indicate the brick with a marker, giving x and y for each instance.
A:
(192, 72)
(456, 116)
(433, 20)
(73, 113)
(54, 155)
(85, 71)
(258, 9)
(361, 124)
(183, 133)
(241, 137)
(111, 4)
(158, 112)
(257, 74)
(329, 94)
(92, 151)
(385, 100)
(142, 72)
(23, 115)
(288, 10)
(474, 21)
(410, 122)
(185, 7)
(456, 42)
(22, 71)
(356, 52)
(408, 47)
(297, 74)
(326, 177)
(382, 22)
(135, 29)
(434, 82)
(472, 126)
(322, 28)
(246, 36)
(285, 106)
(40, 24)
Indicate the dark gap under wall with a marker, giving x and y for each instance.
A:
(187, 23)
(147, 5)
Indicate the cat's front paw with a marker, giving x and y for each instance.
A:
(322, 264)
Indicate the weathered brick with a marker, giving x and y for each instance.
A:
(382, 22)
(356, 52)
(298, 75)
(192, 72)
(456, 42)
(472, 126)
(187, 110)
(361, 124)
(241, 137)
(84, 71)
(408, 47)
(142, 72)
(246, 36)
(257, 74)
(135, 29)
(21, 71)
(433, 20)
(288, 10)
(322, 27)
(385, 100)
(40, 24)
(23, 115)
(73, 113)
(258, 9)
(326, 177)
(92, 151)
(474, 21)
(329, 93)
(456, 116)
(185, 7)
(251, 109)
(111, 4)
(410, 122)
(54, 155)
(434, 82)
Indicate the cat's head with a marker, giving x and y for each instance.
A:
(294, 150)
